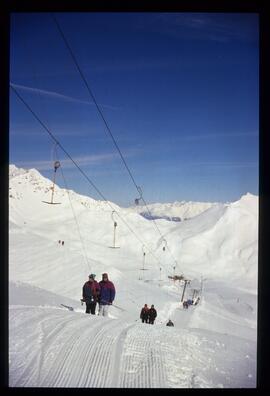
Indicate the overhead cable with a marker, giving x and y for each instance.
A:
(79, 168)
(104, 120)
(75, 217)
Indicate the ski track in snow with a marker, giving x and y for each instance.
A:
(212, 345)
(79, 351)
(51, 347)
(142, 364)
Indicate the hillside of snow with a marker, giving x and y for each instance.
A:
(212, 344)
(177, 211)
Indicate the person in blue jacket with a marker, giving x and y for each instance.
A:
(106, 296)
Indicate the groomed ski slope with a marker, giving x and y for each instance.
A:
(212, 345)
(54, 347)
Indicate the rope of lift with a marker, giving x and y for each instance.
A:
(80, 170)
(74, 215)
(105, 122)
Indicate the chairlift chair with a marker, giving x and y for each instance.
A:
(137, 200)
(56, 166)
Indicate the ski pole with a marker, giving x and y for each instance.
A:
(116, 306)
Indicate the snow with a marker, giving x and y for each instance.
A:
(179, 210)
(212, 344)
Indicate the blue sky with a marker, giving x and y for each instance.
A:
(180, 92)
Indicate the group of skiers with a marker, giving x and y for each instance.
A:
(94, 292)
(61, 242)
(148, 315)
(103, 293)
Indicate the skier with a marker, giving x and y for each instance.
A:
(144, 316)
(152, 314)
(189, 302)
(91, 290)
(107, 294)
(63, 243)
(185, 305)
(170, 323)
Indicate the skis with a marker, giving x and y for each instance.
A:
(116, 306)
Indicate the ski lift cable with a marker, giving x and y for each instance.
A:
(76, 220)
(78, 167)
(59, 144)
(92, 96)
(54, 157)
(102, 116)
(162, 236)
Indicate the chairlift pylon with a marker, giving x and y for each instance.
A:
(56, 166)
(114, 230)
(144, 254)
(165, 245)
(143, 266)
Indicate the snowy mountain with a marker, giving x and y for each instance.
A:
(212, 344)
(177, 211)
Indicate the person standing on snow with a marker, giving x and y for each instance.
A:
(91, 291)
(107, 295)
(152, 314)
(170, 323)
(144, 316)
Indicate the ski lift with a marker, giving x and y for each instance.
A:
(144, 254)
(143, 266)
(164, 245)
(56, 166)
(160, 269)
(114, 230)
(187, 282)
(137, 200)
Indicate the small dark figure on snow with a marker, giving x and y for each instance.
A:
(144, 314)
(152, 314)
(63, 243)
(91, 291)
(59, 241)
(170, 323)
(185, 305)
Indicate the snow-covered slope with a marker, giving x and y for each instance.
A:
(212, 344)
(177, 211)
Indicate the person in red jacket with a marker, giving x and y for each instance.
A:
(90, 292)
(107, 294)
(145, 314)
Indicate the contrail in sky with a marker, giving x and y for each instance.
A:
(82, 161)
(56, 95)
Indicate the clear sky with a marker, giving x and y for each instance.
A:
(179, 91)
